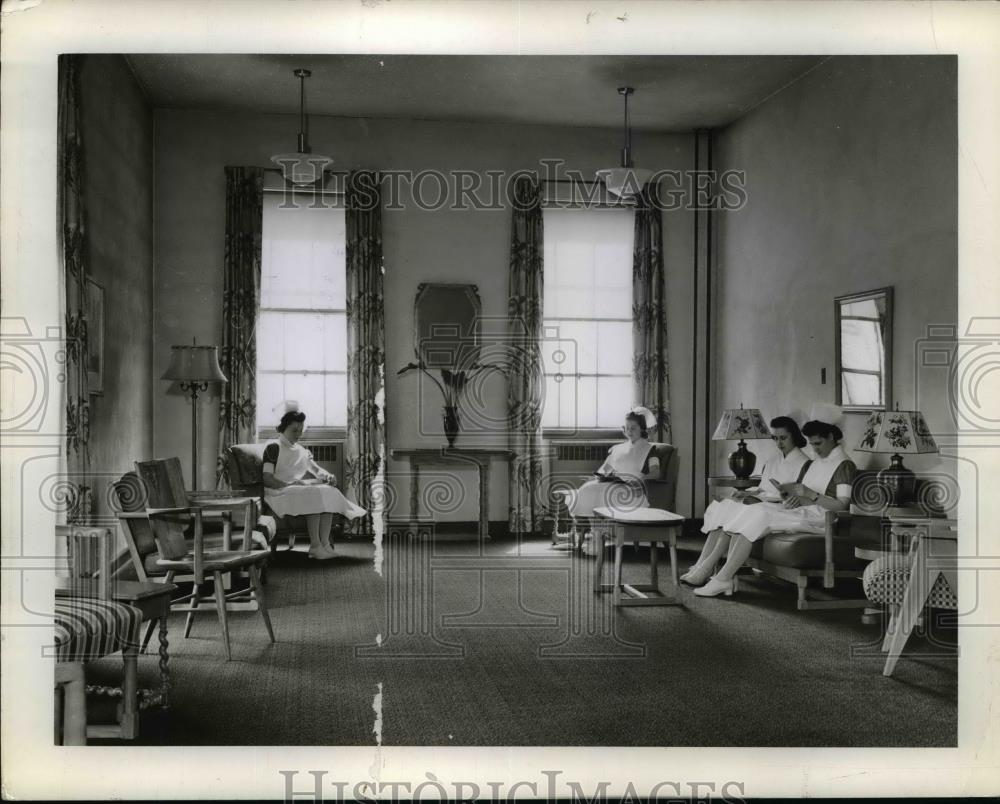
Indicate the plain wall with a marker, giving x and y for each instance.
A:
(419, 246)
(118, 161)
(852, 185)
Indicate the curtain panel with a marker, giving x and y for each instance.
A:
(240, 303)
(72, 216)
(650, 370)
(525, 381)
(364, 451)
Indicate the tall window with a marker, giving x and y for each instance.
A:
(587, 342)
(302, 327)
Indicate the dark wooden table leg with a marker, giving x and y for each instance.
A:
(164, 669)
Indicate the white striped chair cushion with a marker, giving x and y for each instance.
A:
(87, 628)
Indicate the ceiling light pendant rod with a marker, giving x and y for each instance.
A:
(627, 150)
(302, 75)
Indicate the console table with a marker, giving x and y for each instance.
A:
(480, 458)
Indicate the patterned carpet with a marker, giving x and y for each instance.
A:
(511, 647)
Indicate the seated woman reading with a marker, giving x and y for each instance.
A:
(789, 467)
(295, 485)
(826, 486)
(618, 482)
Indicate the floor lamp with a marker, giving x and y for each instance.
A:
(194, 367)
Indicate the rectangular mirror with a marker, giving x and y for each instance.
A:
(864, 350)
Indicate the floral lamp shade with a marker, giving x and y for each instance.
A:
(741, 423)
(897, 432)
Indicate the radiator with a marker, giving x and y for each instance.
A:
(328, 454)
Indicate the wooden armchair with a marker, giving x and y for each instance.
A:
(90, 625)
(157, 514)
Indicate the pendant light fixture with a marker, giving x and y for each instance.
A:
(625, 181)
(303, 167)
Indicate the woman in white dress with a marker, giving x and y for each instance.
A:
(618, 482)
(826, 486)
(788, 467)
(295, 485)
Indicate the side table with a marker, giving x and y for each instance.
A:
(641, 526)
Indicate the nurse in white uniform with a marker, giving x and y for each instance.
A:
(295, 485)
(826, 486)
(618, 482)
(789, 466)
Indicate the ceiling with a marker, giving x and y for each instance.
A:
(672, 93)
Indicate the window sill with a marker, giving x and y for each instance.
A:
(311, 434)
(594, 434)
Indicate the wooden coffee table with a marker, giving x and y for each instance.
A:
(640, 526)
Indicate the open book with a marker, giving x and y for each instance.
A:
(765, 495)
(609, 478)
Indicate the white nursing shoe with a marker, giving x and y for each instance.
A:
(322, 554)
(715, 588)
(696, 576)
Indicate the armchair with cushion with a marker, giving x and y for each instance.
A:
(245, 465)
(661, 491)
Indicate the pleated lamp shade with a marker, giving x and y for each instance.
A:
(194, 364)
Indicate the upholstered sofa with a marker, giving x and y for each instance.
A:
(828, 556)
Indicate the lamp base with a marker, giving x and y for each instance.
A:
(898, 481)
(742, 461)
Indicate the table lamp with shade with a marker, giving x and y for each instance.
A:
(194, 367)
(742, 423)
(897, 433)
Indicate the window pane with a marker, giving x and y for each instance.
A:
(305, 344)
(550, 406)
(336, 400)
(586, 404)
(303, 255)
(860, 389)
(270, 341)
(270, 391)
(614, 347)
(335, 340)
(308, 391)
(579, 338)
(614, 400)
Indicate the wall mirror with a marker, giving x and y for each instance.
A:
(863, 324)
(446, 324)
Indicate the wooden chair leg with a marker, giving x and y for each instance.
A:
(673, 558)
(130, 693)
(261, 605)
(69, 675)
(195, 600)
(220, 605)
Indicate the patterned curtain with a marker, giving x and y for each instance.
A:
(649, 320)
(240, 301)
(524, 386)
(72, 229)
(364, 452)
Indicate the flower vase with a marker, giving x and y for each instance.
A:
(451, 424)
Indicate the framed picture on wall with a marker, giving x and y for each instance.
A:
(94, 312)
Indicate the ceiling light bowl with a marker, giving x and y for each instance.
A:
(624, 182)
(302, 170)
